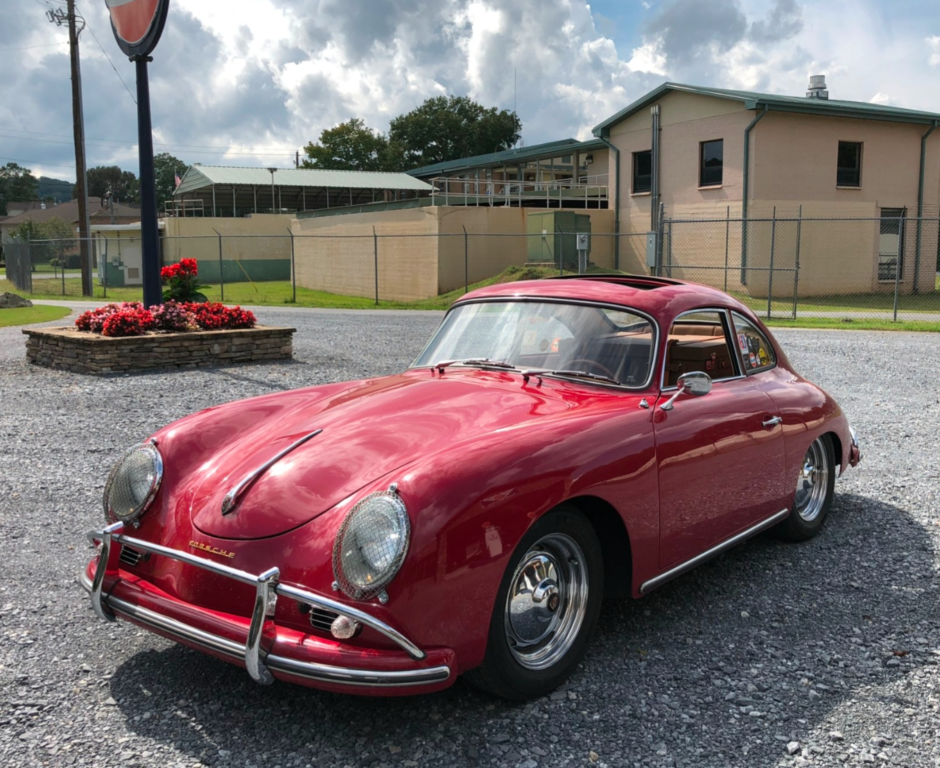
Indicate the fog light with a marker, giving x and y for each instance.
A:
(344, 627)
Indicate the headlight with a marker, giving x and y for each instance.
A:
(371, 545)
(133, 483)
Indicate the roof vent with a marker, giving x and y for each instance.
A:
(817, 87)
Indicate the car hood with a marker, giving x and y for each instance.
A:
(368, 431)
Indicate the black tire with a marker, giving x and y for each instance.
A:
(800, 526)
(502, 673)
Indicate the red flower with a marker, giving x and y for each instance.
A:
(213, 316)
(93, 320)
(128, 322)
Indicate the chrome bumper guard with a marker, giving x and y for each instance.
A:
(267, 588)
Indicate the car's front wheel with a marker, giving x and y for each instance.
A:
(546, 609)
(815, 485)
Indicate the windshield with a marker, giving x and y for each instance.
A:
(613, 343)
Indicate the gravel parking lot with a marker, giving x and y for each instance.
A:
(775, 654)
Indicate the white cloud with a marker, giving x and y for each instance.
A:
(266, 76)
(934, 44)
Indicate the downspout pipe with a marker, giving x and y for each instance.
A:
(920, 204)
(616, 152)
(744, 192)
(654, 169)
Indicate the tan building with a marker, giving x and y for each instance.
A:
(710, 153)
(838, 197)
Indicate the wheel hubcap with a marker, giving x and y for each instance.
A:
(547, 601)
(812, 483)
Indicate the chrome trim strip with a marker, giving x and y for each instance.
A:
(231, 498)
(183, 557)
(341, 676)
(319, 672)
(178, 629)
(354, 613)
(270, 578)
(688, 565)
(654, 348)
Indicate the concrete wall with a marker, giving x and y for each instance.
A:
(256, 247)
(336, 253)
(495, 242)
(421, 251)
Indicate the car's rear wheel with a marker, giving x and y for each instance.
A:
(546, 609)
(815, 484)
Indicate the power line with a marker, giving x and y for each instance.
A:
(31, 47)
(37, 162)
(218, 151)
(207, 148)
(88, 27)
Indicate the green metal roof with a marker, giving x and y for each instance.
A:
(509, 156)
(201, 176)
(775, 103)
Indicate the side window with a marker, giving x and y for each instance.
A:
(699, 342)
(756, 352)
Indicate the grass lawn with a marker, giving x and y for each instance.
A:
(28, 315)
(868, 302)
(279, 293)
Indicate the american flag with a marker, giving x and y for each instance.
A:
(178, 180)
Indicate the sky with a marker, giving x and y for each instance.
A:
(249, 82)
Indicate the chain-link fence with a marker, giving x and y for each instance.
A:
(798, 267)
(785, 268)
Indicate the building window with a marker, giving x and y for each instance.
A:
(849, 170)
(891, 245)
(711, 161)
(642, 171)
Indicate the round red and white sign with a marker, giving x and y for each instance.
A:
(137, 23)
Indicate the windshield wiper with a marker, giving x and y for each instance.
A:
(477, 361)
(573, 374)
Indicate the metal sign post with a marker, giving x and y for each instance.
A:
(137, 26)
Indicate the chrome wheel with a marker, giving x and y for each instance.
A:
(547, 601)
(813, 483)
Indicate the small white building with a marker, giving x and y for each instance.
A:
(119, 253)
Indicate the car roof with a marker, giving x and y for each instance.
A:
(661, 297)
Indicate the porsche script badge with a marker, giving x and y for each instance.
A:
(211, 550)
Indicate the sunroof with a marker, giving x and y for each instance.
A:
(640, 282)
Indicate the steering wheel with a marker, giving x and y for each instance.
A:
(580, 363)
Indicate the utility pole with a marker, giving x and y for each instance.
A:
(297, 159)
(71, 18)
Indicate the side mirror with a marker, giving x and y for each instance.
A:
(694, 382)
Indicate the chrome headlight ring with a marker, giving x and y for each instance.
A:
(133, 483)
(371, 545)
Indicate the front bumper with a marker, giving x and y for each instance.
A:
(267, 651)
(855, 450)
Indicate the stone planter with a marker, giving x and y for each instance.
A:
(72, 350)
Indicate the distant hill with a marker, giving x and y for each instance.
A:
(60, 190)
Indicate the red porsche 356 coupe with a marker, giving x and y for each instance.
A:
(556, 441)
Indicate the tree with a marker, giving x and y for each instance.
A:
(350, 146)
(55, 189)
(123, 185)
(450, 127)
(166, 168)
(17, 184)
(52, 239)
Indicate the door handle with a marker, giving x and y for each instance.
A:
(773, 421)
